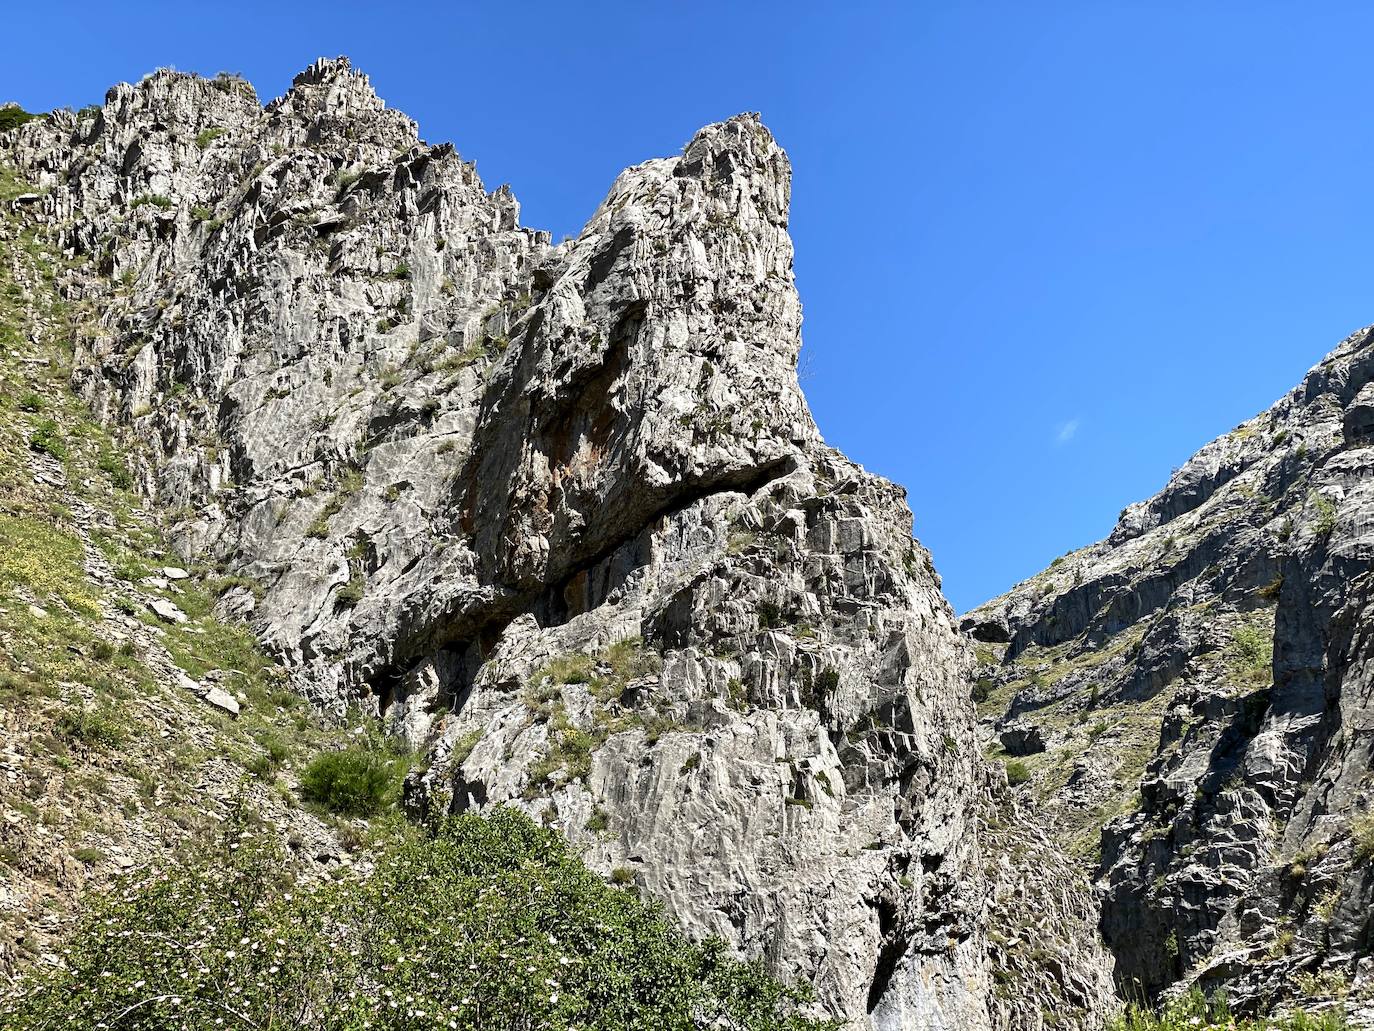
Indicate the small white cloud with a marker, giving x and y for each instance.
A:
(1066, 432)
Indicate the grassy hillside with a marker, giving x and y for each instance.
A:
(110, 752)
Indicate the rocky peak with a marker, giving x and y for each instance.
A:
(561, 517)
(334, 102)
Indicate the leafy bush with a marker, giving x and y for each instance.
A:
(208, 136)
(1197, 1012)
(486, 923)
(770, 615)
(14, 116)
(1017, 772)
(47, 438)
(1251, 652)
(354, 782)
(1325, 508)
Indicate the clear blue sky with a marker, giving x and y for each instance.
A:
(1046, 250)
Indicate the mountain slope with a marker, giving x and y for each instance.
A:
(130, 719)
(1199, 682)
(559, 516)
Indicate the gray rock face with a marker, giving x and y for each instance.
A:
(1022, 739)
(560, 515)
(1212, 654)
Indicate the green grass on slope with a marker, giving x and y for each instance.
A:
(484, 923)
(108, 756)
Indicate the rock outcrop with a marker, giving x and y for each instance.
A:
(1202, 679)
(561, 516)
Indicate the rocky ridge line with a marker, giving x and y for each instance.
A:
(1199, 683)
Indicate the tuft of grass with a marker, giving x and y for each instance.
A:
(1362, 834)
(157, 200)
(568, 669)
(1017, 772)
(47, 438)
(350, 593)
(95, 728)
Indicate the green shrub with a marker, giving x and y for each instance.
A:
(31, 402)
(770, 615)
(208, 136)
(157, 200)
(487, 922)
(1017, 772)
(1326, 515)
(47, 438)
(354, 782)
(1197, 1011)
(350, 593)
(113, 466)
(97, 728)
(14, 116)
(1251, 653)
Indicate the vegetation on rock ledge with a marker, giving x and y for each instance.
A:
(1197, 1011)
(483, 923)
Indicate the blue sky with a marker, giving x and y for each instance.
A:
(1046, 250)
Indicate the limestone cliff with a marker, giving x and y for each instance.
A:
(1200, 683)
(561, 516)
